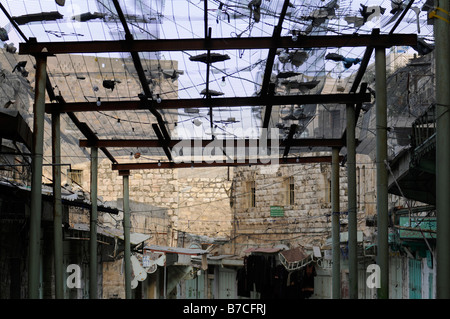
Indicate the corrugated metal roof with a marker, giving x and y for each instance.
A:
(135, 238)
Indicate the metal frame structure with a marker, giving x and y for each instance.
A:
(353, 101)
(147, 102)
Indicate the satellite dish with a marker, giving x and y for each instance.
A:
(134, 283)
(161, 260)
(152, 269)
(139, 272)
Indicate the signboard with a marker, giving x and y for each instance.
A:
(276, 211)
(417, 224)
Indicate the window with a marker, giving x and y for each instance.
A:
(289, 189)
(287, 192)
(75, 176)
(251, 194)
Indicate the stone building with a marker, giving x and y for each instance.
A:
(292, 204)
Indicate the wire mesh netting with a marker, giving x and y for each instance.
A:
(171, 75)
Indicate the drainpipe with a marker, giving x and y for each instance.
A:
(352, 220)
(36, 181)
(382, 176)
(126, 234)
(442, 57)
(93, 267)
(57, 206)
(335, 229)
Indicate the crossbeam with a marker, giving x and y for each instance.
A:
(246, 162)
(335, 41)
(216, 102)
(153, 143)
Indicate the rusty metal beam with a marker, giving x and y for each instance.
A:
(162, 141)
(162, 165)
(143, 79)
(290, 136)
(168, 104)
(272, 51)
(152, 143)
(89, 134)
(257, 43)
(267, 88)
(358, 78)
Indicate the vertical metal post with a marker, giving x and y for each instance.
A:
(93, 263)
(335, 227)
(36, 181)
(57, 206)
(352, 212)
(165, 281)
(382, 176)
(126, 235)
(442, 57)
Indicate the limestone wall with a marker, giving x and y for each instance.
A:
(165, 202)
(306, 219)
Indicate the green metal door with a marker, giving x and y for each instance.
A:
(195, 288)
(227, 284)
(415, 279)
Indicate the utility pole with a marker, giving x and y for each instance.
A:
(126, 234)
(442, 57)
(57, 206)
(352, 211)
(36, 182)
(382, 176)
(335, 227)
(93, 263)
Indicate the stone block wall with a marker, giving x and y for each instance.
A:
(306, 219)
(164, 202)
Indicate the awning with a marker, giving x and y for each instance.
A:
(225, 260)
(294, 259)
(269, 250)
(176, 250)
(135, 238)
